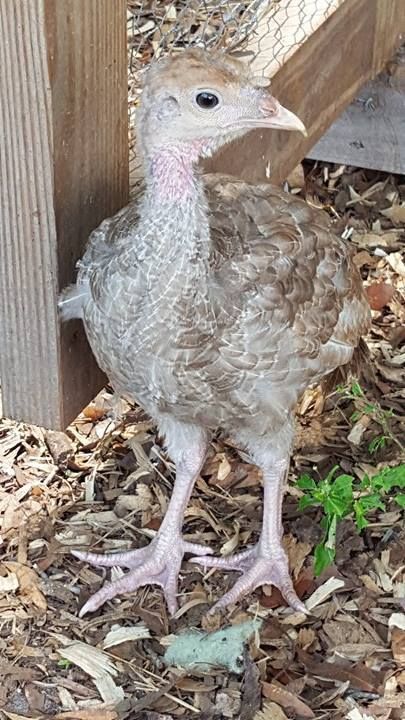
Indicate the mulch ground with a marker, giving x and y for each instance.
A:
(106, 483)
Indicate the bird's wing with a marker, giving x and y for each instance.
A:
(286, 290)
(108, 239)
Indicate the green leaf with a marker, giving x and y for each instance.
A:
(369, 408)
(365, 483)
(356, 390)
(377, 443)
(355, 416)
(365, 504)
(305, 482)
(340, 497)
(307, 501)
(325, 522)
(323, 557)
(389, 478)
(344, 484)
(361, 520)
(331, 475)
(371, 502)
(400, 500)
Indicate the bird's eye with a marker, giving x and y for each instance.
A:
(207, 100)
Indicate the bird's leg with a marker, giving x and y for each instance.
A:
(159, 562)
(266, 563)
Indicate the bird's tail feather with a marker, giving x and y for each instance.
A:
(358, 367)
(71, 302)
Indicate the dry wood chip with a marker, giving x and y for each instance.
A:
(194, 686)
(364, 258)
(197, 512)
(118, 635)
(326, 697)
(270, 711)
(297, 552)
(305, 638)
(60, 446)
(93, 661)
(323, 592)
(231, 544)
(98, 519)
(9, 583)
(17, 673)
(373, 239)
(397, 263)
(355, 435)
(286, 699)
(171, 13)
(139, 502)
(30, 585)
(369, 583)
(396, 213)
(200, 598)
(224, 467)
(356, 651)
(398, 645)
(359, 676)
(70, 537)
(66, 699)
(98, 665)
(100, 712)
(15, 716)
(357, 714)
(355, 198)
(397, 620)
(383, 576)
(396, 624)
(227, 703)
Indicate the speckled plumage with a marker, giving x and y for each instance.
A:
(212, 302)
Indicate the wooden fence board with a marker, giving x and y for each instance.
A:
(63, 168)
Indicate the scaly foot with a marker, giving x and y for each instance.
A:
(258, 567)
(157, 564)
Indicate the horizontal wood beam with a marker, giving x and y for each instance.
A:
(317, 81)
(63, 168)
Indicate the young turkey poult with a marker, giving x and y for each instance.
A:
(214, 303)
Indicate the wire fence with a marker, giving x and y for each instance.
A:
(265, 32)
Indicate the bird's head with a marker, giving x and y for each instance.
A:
(201, 100)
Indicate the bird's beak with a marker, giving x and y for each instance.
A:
(275, 116)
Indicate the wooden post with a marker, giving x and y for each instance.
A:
(317, 81)
(63, 168)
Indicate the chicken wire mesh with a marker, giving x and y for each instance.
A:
(265, 32)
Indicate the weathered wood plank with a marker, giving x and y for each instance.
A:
(371, 132)
(317, 82)
(63, 168)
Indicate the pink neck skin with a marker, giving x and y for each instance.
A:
(171, 171)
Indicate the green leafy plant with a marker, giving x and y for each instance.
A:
(340, 496)
(381, 417)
